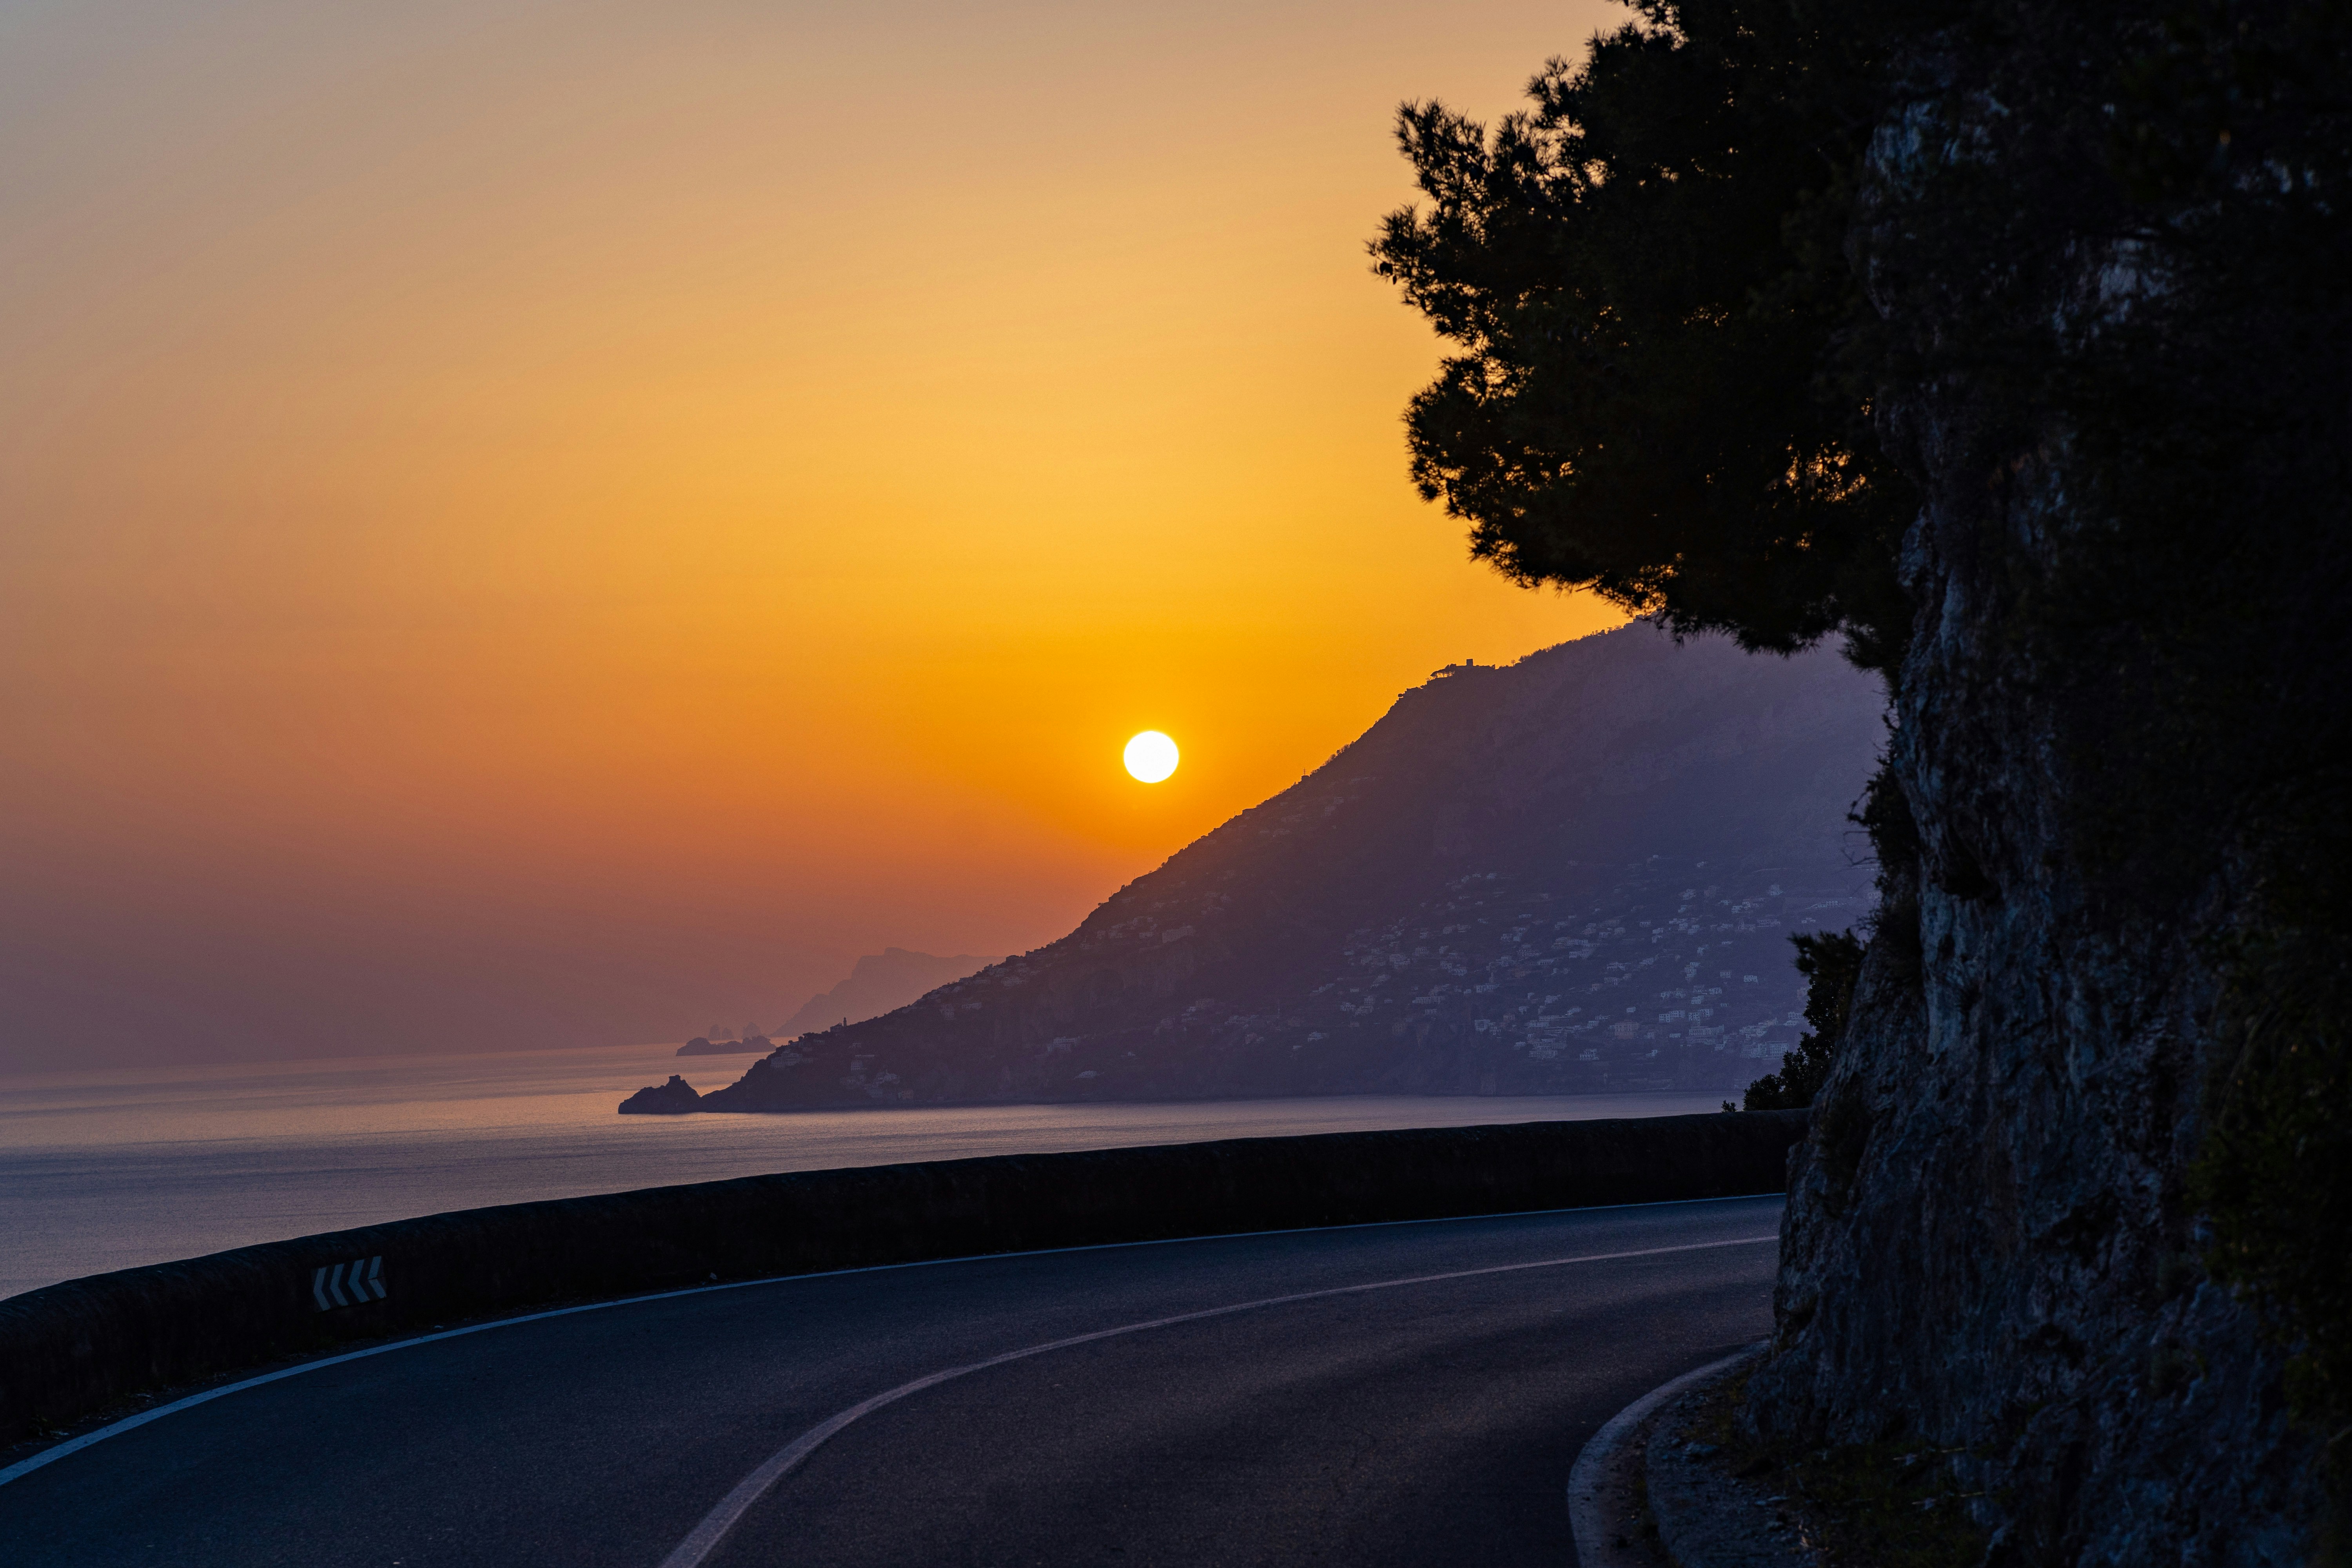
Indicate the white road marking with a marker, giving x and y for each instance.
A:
(706, 1537)
(49, 1455)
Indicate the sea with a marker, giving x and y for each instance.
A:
(120, 1167)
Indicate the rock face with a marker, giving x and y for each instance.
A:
(1578, 873)
(1988, 1241)
(1989, 1245)
(668, 1099)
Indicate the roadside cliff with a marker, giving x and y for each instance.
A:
(2011, 344)
(2111, 834)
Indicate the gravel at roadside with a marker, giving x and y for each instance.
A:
(1650, 1492)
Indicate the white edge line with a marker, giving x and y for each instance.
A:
(75, 1445)
(705, 1537)
(1588, 1512)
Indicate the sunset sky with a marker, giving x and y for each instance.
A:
(541, 524)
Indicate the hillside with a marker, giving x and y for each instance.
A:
(1572, 874)
(878, 983)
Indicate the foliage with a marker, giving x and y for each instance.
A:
(1831, 962)
(1659, 394)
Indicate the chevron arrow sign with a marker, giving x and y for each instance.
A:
(348, 1284)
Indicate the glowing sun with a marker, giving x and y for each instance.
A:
(1151, 756)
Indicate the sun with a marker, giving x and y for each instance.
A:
(1151, 756)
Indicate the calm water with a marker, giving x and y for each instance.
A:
(110, 1170)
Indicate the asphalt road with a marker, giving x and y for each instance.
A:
(1366, 1422)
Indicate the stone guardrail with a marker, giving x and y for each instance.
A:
(76, 1347)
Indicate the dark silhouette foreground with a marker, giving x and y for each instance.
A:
(2012, 344)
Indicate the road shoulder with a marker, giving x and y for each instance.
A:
(1642, 1493)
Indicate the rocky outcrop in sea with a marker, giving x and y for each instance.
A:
(663, 1100)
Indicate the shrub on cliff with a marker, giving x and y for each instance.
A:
(1831, 962)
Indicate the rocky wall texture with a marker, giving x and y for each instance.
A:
(1992, 1245)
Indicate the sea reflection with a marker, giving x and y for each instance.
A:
(117, 1168)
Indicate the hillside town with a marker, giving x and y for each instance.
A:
(1668, 980)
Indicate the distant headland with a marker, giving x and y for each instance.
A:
(702, 1047)
(878, 983)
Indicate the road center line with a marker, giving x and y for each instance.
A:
(705, 1538)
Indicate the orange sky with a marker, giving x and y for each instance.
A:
(534, 523)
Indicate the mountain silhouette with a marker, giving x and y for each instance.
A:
(1574, 873)
(878, 983)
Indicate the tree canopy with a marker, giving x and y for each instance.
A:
(1669, 382)
(1663, 391)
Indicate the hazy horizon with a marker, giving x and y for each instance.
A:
(535, 527)
(118, 1168)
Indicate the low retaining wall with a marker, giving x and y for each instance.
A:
(75, 1348)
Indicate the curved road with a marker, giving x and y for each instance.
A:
(1408, 1393)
